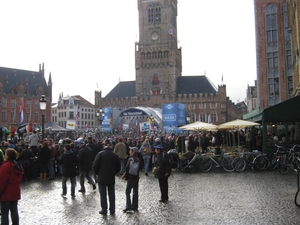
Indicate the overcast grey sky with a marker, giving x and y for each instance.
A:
(83, 43)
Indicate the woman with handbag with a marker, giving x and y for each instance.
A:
(145, 151)
(11, 174)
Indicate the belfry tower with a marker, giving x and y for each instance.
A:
(158, 61)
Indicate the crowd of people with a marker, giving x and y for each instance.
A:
(99, 160)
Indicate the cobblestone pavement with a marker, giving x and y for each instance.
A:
(218, 197)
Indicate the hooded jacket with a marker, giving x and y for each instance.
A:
(11, 174)
(69, 163)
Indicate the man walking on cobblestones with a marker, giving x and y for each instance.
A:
(107, 165)
(163, 172)
(85, 160)
(120, 149)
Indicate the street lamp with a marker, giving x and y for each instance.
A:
(188, 118)
(43, 105)
(100, 115)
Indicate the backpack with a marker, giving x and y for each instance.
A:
(133, 167)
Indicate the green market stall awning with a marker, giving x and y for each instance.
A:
(287, 111)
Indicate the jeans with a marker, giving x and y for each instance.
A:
(51, 168)
(146, 163)
(73, 185)
(111, 196)
(86, 174)
(13, 208)
(134, 185)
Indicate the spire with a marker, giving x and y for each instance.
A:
(50, 79)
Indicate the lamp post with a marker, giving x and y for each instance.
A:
(188, 118)
(43, 105)
(100, 115)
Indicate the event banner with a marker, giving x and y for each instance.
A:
(71, 124)
(145, 126)
(173, 115)
(107, 119)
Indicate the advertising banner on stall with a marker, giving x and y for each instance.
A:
(173, 115)
(107, 119)
(125, 126)
(145, 126)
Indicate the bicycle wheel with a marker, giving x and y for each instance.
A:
(297, 198)
(283, 167)
(227, 163)
(297, 162)
(239, 164)
(273, 163)
(260, 163)
(206, 164)
(193, 169)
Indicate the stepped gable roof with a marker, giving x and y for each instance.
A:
(31, 80)
(195, 84)
(122, 89)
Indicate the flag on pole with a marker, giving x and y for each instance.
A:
(222, 79)
(21, 113)
(76, 115)
(136, 124)
(86, 126)
(111, 121)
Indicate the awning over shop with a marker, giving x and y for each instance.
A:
(254, 115)
(287, 111)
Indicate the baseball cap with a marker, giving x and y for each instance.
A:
(79, 142)
(158, 147)
(134, 149)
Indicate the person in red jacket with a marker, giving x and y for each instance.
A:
(11, 173)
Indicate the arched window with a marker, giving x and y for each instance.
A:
(154, 13)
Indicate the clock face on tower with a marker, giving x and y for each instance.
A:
(154, 36)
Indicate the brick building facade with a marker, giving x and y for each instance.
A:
(277, 37)
(23, 88)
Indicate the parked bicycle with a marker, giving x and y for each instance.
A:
(280, 151)
(289, 161)
(297, 195)
(223, 160)
(254, 159)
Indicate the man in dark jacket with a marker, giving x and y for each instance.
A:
(24, 159)
(163, 172)
(69, 163)
(92, 145)
(106, 165)
(85, 159)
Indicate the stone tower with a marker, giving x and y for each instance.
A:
(158, 61)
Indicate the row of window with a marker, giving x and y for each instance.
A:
(212, 105)
(272, 52)
(15, 118)
(15, 104)
(71, 107)
(203, 117)
(71, 115)
(155, 55)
